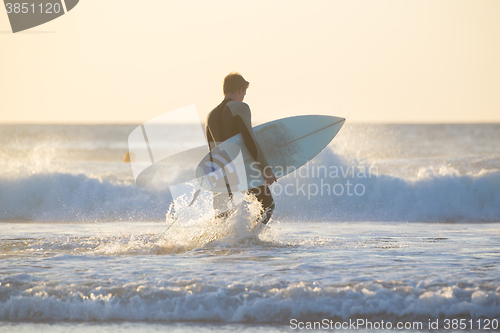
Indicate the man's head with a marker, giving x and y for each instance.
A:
(235, 87)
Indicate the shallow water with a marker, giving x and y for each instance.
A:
(79, 244)
(308, 271)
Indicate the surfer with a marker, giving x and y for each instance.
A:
(230, 118)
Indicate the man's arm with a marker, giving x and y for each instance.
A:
(241, 112)
(250, 143)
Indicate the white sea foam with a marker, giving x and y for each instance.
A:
(274, 302)
(241, 227)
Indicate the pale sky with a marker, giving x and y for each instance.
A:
(122, 61)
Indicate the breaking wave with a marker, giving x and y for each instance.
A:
(338, 191)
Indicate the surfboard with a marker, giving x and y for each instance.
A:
(287, 144)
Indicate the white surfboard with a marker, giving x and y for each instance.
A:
(287, 143)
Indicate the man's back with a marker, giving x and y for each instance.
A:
(226, 120)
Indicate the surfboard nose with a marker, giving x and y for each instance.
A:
(337, 120)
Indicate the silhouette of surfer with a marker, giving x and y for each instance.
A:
(232, 117)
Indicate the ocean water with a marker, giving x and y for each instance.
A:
(392, 223)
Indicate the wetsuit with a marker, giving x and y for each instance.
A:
(228, 119)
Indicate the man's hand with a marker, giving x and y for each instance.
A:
(269, 176)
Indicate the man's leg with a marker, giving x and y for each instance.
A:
(220, 204)
(263, 194)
